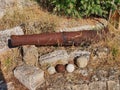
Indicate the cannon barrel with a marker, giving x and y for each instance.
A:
(59, 38)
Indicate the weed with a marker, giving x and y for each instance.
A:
(114, 51)
(8, 62)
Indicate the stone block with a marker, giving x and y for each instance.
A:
(29, 76)
(78, 53)
(30, 55)
(53, 58)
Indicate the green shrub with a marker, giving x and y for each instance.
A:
(65, 7)
(83, 8)
(99, 8)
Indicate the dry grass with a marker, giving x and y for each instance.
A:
(32, 14)
(8, 61)
(113, 43)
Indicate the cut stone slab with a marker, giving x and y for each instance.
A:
(112, 85)
(30, 55)
(97, 86)
(5, 36)
(29, 76)
(53, 58)
(78, 53)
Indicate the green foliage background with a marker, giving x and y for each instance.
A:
(81, 8)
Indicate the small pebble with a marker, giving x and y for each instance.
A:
(51, 70)
(94, 78)
(70, 68)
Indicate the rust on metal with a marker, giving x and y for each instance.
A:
(59, 38)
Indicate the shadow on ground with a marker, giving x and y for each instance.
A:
(45, 4)
(3, 85)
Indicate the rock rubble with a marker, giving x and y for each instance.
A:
(80, 78)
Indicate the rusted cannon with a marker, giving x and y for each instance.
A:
(59, 38)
